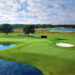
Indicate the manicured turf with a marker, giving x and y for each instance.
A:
(42, 53)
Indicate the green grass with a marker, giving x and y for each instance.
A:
(41, 53)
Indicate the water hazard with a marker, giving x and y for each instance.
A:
(14, 68)
(62, 30)
(5, 46)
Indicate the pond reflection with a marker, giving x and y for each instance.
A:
(14, 68)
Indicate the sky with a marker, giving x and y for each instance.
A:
(37, 11)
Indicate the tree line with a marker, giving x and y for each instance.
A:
(44, 25)
(29, 28)
(7, 28)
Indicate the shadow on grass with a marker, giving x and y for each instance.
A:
(60, 39)
(34, 37)
(20, 35)
(29, 36)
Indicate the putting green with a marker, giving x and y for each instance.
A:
(42, 53)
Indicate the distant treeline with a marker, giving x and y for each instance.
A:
(42, 26)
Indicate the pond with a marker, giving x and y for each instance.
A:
(5, 46)
(14, 68)
(61, 30)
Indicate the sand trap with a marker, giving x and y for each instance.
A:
(64, 45)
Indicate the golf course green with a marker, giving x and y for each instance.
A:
(41, 53)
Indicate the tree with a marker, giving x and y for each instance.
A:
(0, 28)
(28, 29)
(6, 28)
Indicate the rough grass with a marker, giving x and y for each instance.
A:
(42, 53)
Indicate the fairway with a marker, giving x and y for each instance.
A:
(41, 53)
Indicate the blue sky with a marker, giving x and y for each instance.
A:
(37, 11)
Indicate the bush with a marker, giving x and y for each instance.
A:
(43, 36)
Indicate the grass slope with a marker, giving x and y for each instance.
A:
(42, 53)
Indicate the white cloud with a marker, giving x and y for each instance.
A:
(42, 11)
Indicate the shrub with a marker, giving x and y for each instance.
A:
(43, 36)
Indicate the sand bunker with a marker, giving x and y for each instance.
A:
(64, 45)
